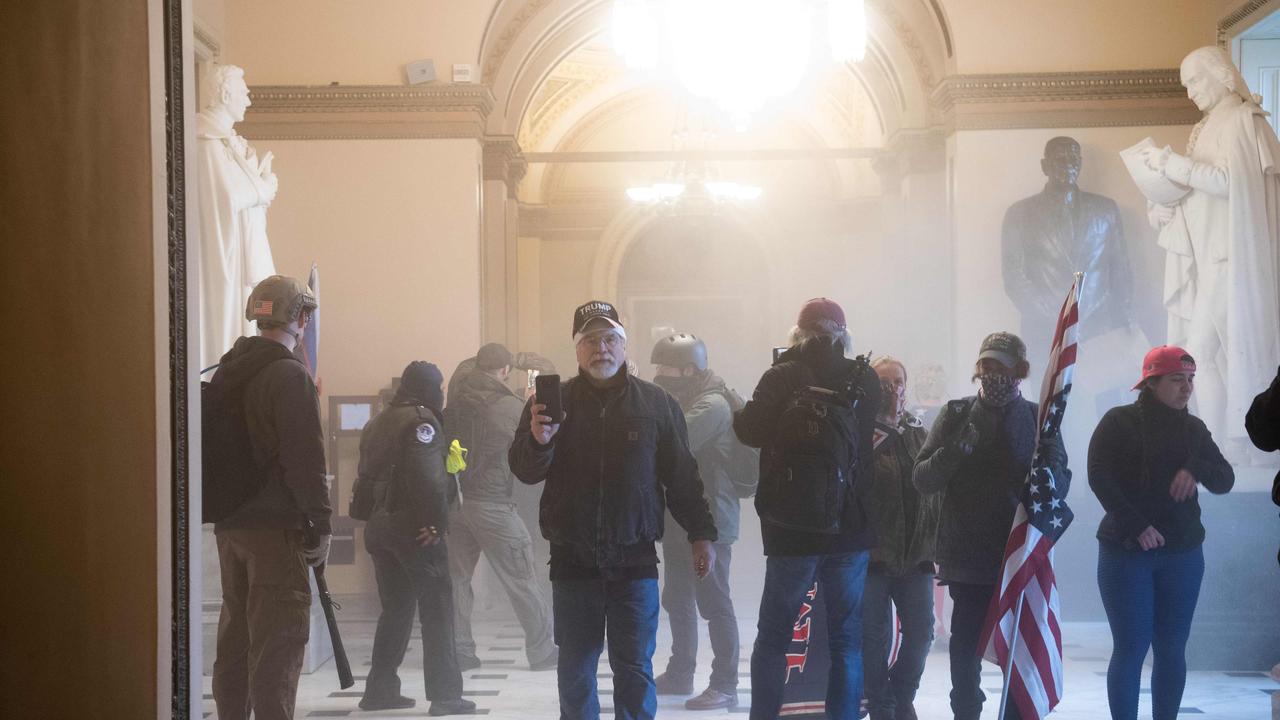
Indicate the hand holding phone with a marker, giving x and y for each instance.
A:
(547, 410)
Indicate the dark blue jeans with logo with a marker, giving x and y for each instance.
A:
(585, 612)
(786, 581)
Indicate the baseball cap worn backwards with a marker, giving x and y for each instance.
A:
(816, 310)
(1005, 348)
(1165, 360)
(596, 309)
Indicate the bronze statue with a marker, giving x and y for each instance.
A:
(1052, 235)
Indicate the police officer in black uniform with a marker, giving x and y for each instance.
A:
(402, 470)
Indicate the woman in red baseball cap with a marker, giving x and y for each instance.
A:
(1146, 463)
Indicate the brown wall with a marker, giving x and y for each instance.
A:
(77, 440)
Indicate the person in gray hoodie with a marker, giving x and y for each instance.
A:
(482, 415)
(978, 455)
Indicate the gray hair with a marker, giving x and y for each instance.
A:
(826, 328)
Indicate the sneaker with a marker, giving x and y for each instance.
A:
(712, 700)
(550, 663)
(468, 663)
(668, 685)
(394, 702)
(452, 707)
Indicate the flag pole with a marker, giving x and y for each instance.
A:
(1017, 615)
(1008, 667)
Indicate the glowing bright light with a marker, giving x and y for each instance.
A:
(635, 33)
(739, 54)
(847, 30)
(657, 192)
(731, 191)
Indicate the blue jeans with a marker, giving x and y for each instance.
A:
(912, 594)
(786, 580)
(1150, 597)
(584, 612)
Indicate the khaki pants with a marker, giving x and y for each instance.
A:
(496, 530)
(266, 605)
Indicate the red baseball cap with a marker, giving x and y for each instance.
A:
(1165, 360)
(817, 310)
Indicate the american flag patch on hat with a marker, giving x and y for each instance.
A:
(262, 307)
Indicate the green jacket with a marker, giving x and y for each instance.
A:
(902, 546)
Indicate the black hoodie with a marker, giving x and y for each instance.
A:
(282, 410)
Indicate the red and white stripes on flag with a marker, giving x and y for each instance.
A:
(1035, 682)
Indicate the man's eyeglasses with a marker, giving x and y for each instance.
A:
(610, 339)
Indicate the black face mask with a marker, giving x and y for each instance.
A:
(999, 390)
(679, 386)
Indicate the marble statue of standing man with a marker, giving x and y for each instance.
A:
(1222, 241)
(234, 188)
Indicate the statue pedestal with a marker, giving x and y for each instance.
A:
(319, 648)
(1237, 622)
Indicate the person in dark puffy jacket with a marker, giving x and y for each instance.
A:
(613, 464)
(1146, 461)
(483, 414)
(402, 454)
(978, 455)
(798, 558)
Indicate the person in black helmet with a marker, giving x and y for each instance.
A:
(681, 369)
(402, 458)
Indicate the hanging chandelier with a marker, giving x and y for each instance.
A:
(737, 54)
(690, 189)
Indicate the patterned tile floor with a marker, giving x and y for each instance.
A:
(505, 688)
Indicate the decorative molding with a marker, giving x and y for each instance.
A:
(501, 161)
(179, 408)
(907, 36)
(493, 60)
(1064, 99)
(1227, 24)
(207, 46)
(365, 112)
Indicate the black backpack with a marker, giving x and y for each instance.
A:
(230, 475)
(744, 462)
(813, 460)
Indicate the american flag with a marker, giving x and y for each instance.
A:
(1034, 679)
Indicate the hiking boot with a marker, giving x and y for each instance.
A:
(452, 707)
(668, 685)
(712, 700)
(392, 702)
(549, 663)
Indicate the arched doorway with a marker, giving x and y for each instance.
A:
(701, 274)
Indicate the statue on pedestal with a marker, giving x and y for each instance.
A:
(1052, 235)
(1222, 238)
(233, 188)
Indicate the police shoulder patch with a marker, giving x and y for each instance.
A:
(425, 433)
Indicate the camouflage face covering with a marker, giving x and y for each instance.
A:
(998, 389)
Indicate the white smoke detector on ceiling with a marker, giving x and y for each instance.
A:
(421, 71)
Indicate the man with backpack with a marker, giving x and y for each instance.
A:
(404, 493)
(482, 416)
(267, 495)
(708, 405)
(813, 415)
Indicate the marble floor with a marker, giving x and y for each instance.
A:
(505, 688)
